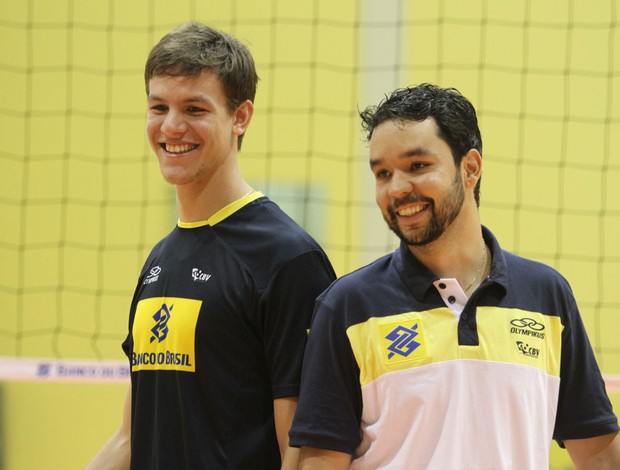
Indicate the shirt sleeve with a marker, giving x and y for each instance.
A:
(287, 306)
(329, 411)
(584, 408)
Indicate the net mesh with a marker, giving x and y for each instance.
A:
(84, 202)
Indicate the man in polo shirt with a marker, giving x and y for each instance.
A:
(450, 353)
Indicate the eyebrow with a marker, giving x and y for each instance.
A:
(191, 99)
(414, 152)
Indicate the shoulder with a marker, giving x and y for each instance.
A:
(532, 271)
(536, 286)
(264, 238)
(518, 270)
(157, 249)
(263, 223)
(363, 283)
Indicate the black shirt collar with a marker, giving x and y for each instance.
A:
(420, 280)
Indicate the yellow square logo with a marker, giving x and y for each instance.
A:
(164, 331)
(403, 341)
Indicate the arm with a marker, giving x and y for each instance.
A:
(116, 453)
(284, 410)
(321, 459)
(595, 453)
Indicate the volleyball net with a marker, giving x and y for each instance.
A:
(83, 201)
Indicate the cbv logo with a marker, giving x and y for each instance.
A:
(527, 350)
(199, 276)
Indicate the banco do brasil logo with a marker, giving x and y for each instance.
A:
(403, 341)
(161, 317)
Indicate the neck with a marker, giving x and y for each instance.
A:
(480, 273)
(458, 253)
(199, 201)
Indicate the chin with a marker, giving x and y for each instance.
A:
(174, 177)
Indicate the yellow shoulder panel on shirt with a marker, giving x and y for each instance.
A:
(414, 339)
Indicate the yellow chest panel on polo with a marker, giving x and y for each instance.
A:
(416, 339)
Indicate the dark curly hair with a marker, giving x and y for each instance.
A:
(454, 114)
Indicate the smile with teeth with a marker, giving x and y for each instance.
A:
(178, 148)
(408, 211)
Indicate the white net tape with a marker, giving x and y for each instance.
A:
(63, 370)
(92, 371)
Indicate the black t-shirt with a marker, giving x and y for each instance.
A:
(217, 329)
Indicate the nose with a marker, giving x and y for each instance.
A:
(400, 184)
(173, 124)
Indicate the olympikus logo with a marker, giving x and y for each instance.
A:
(199, 276)
(153, 275)
(403, 342)
(527, 327)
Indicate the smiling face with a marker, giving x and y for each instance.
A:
(190, 127)
(418, 187)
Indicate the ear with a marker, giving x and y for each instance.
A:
(471, 167)
(242, 117)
